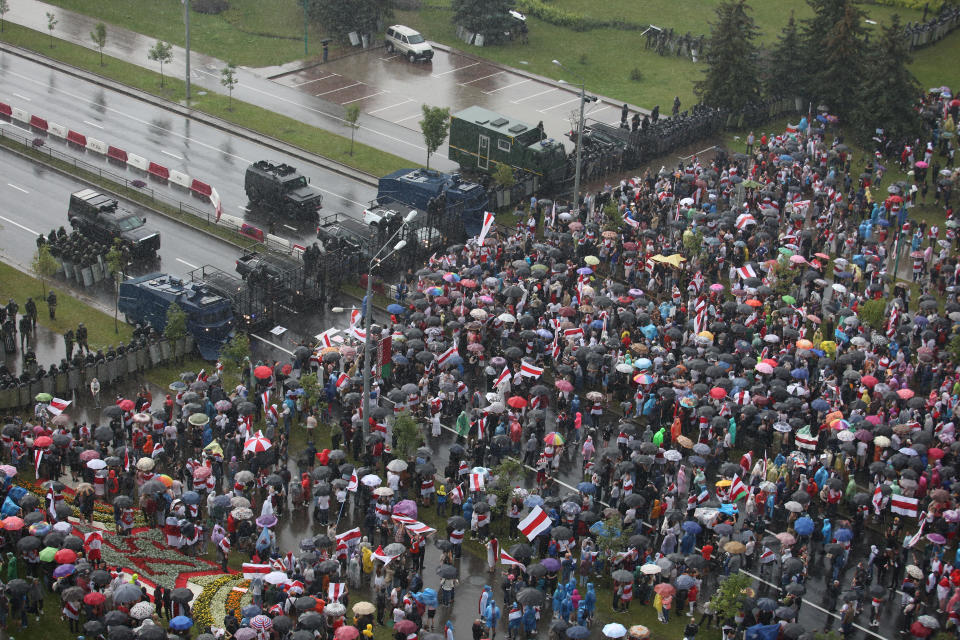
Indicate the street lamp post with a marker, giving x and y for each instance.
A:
(304, 28)
(186, 20)
(368, 311)
(576, 173)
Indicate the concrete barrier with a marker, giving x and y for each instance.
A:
(137, 162)
(201, 188)
(19, 114)
(180, 178)
(76, 138)
(117, 154)
(57, 130)
(158, 171)
(97, 146)
(38, 123)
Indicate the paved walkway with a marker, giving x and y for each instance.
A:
(254, 86)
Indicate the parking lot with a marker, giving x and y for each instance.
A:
(389, 87)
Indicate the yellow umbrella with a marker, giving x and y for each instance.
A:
(592, 260)
(676, 260)
(214, 448)
(705, 334)
(724, 483)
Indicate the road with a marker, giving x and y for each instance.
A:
(214, 156)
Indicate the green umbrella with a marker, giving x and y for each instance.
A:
(750, 184)
(788, 299)
(786, 252)
(44, 397)
(46, 555)
(198, 419)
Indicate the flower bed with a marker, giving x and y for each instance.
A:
(207, 607)
(238, 597)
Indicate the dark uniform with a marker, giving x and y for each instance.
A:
(52, 304)
(82, 338)
(30, 308)
(68, 341)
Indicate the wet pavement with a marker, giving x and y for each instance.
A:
(387, 85)
(205, 75)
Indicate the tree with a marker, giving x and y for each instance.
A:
(161, 52)
(833, 46)
(340, 18)
(44, 265)
(312, 390)
(889, 90)
(490, 18)
(406, 436)
(503, 175)
(505, 479)
(435, 126)
(228, 78)
(728, 598)
(116, 264)
(873, 314)
(4, 7)
(51, 25)
(236, 350)
(99, 37)
(785, 68)
(731, 77)
(612, 538)
(176, 323)
(350, 116)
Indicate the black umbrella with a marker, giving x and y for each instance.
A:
(457, 522)
(120, 632)
(29, 543)
(311, 621)
(115, 617)
(531, 597)
(536, 570)
(447, 571)
(93, 627)
(181, 595)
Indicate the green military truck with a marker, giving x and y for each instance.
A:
(481, 140)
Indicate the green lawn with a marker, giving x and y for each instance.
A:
(250, 32)
(275, 125)
(70, 311)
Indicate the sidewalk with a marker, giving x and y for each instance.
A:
(254, 87)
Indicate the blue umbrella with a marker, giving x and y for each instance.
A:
(697, 460)
(691, 527)
(190, 497)
(729, 508)
(843, 535)
(684, 581)
(586, 487)
(800, 373)
(427, 596)
(395, 308)
(181, 623)
(599, 528)
(820, 405)
(399, 358)
(532, 501)
(453, 361)
(803, 526)
(650, 331)
(766, 604)
(578, 632)
(786, 158)
(250, 610)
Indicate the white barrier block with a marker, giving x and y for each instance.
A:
(137, 162)
(97, 146)
(57, 130)
(20, 114)
(277, 241)
(182, 179)
(230, 221)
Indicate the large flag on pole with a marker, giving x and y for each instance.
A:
(488, 219)
(535, 523)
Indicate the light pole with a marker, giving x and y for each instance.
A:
(304, 28)
(368, 311)
(576, 173)
(186, 20)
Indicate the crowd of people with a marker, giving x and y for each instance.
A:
(709, 372)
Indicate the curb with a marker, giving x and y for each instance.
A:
(199, 116)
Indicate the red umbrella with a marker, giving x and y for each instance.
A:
(13, 523)
(935, 453)
(905, 394)
(869, 381)
(43, 442)
(95, 597)
(126, 404)
(718, 393)
(65, 556)
(286, 369)
(442, 300)
(920, 631)
(405, 626)
(566, 312)
(349, 632)
(517, 402)
(263, 372)
(563, 385)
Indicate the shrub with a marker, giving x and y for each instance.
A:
(636, 75)
(406, 5)
(210, 7)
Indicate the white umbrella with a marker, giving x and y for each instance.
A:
(383, 491)
(614, 630)
(506, 317)
(673, 455)
(650, 569)
(478, 314)
(494, 407)
(275, 577)
(623, 367)
(397, 465)
(145, 464)
(793, 506)
(371, 480)
(96, 464)
(845, 436)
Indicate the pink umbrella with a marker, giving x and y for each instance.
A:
(874, 420)
(563, 385)
(469, 284)
(8, 470)
(797, 259)
(201, 473)
(257, 443)
(905, 394)
(406, 508)
(920, 164)
(88, 455)
(716, 287)
(763, 367)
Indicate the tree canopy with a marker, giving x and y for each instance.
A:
(489, 18)
(731, 77)
(339, 18)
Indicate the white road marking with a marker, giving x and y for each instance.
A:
(391, 106)
(463, 84)
(534, 95)
(416, 115)
(339, 89)
(509, 86)
(240, 206)
(315, 110)
(93, 124)
(17, 224)
(443, 73)
(391, 57)
(344, 198)
(17, 188)
(291, 228)
(272, 344)
(363, 98)
(172, 155)
(300, 84)
(577, 99)
(22, 97)
(192, 266)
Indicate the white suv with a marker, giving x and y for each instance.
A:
(409, 43)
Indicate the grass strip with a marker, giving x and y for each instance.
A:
(311, 139)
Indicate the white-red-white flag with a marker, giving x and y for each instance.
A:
(446, 355)
(354, 482)
(504, 375)
(488, 219)
(58, 406)
(476, 482)
(536, 522)
(506, 558)
(337, 590)
(530, 371)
